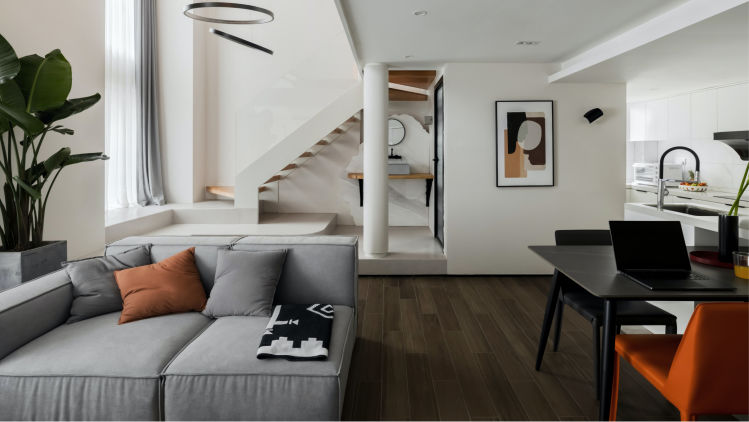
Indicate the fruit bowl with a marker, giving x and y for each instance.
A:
(693, 187)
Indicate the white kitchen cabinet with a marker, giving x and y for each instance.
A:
(636, 128)
(704, 116)
(678, 123)
(733, 108)
(656, 120)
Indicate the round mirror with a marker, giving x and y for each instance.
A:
(396, 132)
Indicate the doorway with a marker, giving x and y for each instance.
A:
(439, 163)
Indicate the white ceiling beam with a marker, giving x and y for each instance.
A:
(678, 18)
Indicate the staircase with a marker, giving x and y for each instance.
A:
(257, 184)
(254, 183)
(268, 191)
(227, 192)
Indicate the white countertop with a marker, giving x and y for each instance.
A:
(704, 222)
(709, 196)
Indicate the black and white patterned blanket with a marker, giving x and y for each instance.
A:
(297, 332)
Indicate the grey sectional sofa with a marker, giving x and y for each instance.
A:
(182, 366)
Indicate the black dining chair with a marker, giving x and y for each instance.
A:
(591, 307)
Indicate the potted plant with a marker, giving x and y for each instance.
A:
(33, 98)
(728, 224)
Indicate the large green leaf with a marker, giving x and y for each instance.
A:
(45, 82)
(10, 94)
(31, 191)
(30, 124)
(9, 65)
(56, 160)
(69, 108)
(82, 158)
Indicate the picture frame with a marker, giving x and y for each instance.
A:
(524, 140)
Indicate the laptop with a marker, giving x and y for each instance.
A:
(654, 254)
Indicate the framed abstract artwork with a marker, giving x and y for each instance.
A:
(525, 143)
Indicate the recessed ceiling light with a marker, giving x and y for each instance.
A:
(526, 43)
(420, 13)
(409, 56)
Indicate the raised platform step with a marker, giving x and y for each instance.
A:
(291, 224)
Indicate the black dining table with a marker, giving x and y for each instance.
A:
(593, 268)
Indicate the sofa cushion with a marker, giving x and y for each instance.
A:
(245, 283)
(166, 287)
(94, 290)
(94, 369)
(206, 249)
(218, 376)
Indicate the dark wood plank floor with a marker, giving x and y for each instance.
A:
(457, 348)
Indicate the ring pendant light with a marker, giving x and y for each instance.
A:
(190, 9)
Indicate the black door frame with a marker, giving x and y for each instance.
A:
(439, 85)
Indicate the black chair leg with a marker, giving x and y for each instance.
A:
(597, 356)
(671, 329)
(558, 326)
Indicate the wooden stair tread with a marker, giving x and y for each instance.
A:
(275, 178)
(306, 154)
(224, 191)
(262, 189)
(337, 130)
(322, 142)
(291, 166)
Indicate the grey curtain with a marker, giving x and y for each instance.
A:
(149, 180)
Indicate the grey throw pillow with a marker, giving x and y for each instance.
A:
(245, 283)
(95, 291)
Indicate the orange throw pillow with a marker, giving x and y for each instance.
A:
(167, 287)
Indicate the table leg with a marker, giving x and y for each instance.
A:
(429, 190)
(361, 192)
(607, 370)
(551, 304)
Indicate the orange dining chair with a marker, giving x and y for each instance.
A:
(703, 372)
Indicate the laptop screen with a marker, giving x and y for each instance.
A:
(649, 245)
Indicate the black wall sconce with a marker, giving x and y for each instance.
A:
(593, 114)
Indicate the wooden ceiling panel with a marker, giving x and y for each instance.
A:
(414, 78)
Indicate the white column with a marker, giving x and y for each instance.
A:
(375, 159)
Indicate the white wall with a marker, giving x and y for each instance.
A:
(488, 229)
(253, 99)
(76, 206)
(180, 45)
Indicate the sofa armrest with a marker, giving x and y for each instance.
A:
(32, 309)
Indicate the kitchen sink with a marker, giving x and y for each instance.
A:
(689, 209)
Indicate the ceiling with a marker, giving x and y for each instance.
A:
(387, 31)
(712, 52)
